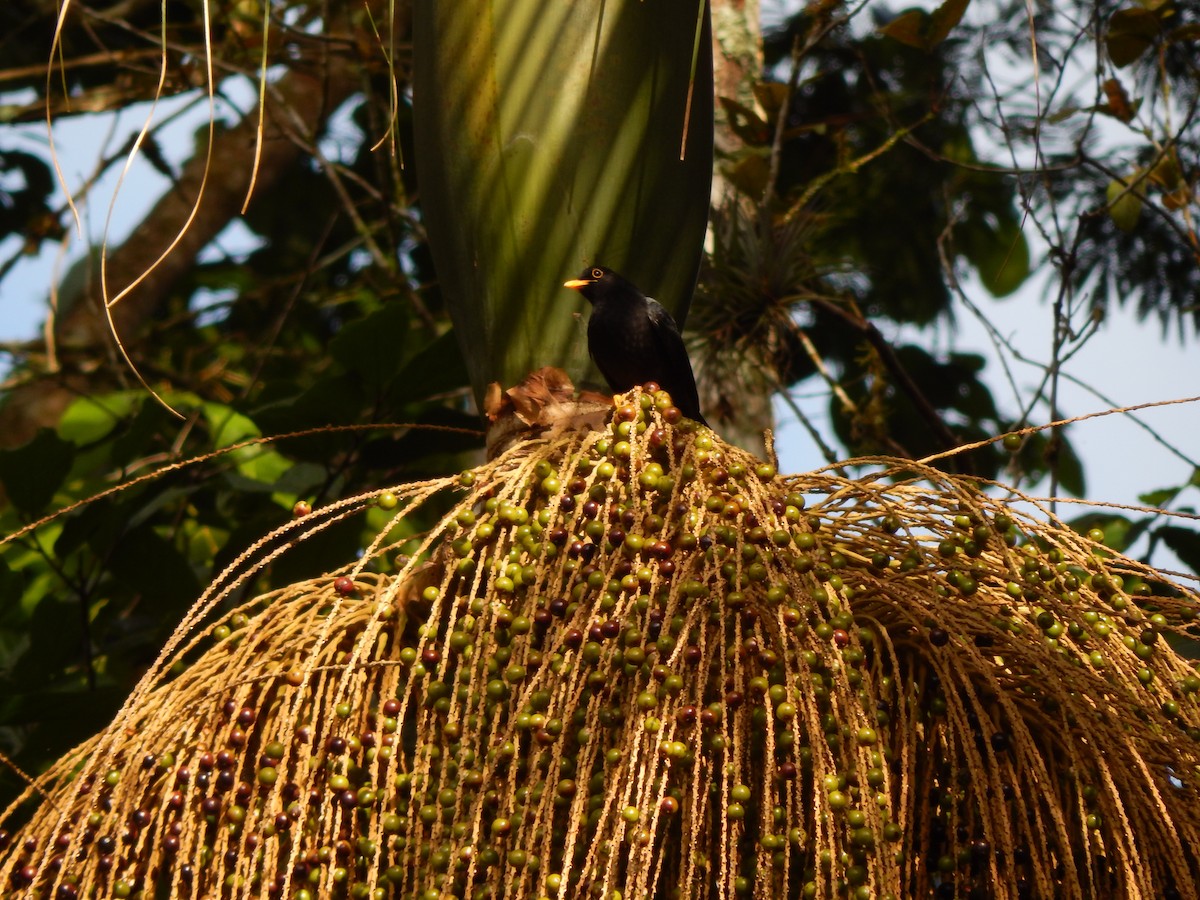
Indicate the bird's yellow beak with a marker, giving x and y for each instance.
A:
(576, 283)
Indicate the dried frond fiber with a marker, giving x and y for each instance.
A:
(637, 662)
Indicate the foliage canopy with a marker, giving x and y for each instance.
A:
(867, 176)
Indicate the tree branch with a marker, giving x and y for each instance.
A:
(301, 100)
(903, 380)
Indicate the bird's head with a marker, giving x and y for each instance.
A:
(601, 282)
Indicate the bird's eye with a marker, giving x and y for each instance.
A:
(597, 273)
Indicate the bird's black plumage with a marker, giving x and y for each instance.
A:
(634, 340)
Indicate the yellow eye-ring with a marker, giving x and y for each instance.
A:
(597, 273)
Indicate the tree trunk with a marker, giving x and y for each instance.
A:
(297, 108)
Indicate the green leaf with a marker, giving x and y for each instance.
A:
(749, 174)
(910, 28)
(320, 551)
(1161, 497)
(944, 18)
(1185, 33)
(324, 403)
(1009, 273)
(373, 346)
(1061, 115)
(92, 417)
(923, 30)
(745, 122)
(1124, 206)
(61, 714)
(12, 584)
(418, 445)
(1187, 647)
(34, 472)
(1119, 531)
(147, 431)
(227, 426)
(997, 249)
(970, 395)
(54, 644)
(771, 95)
(98, 524)
(104, 524)
(1184, 543)
(1070, 470)
(301, 478)
(257, 462)
(148, 564)
(437, 369)
(1131, 32)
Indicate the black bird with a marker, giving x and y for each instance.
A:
(633, 339)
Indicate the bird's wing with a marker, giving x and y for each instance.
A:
(670, 346)
(662, 321)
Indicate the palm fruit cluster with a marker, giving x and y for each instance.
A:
(637, 662)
